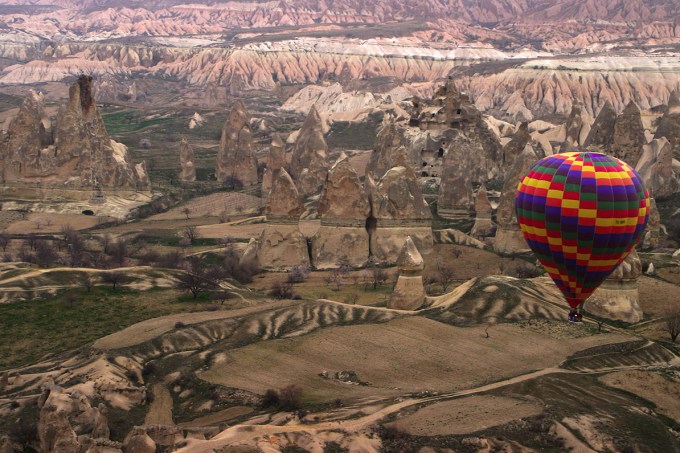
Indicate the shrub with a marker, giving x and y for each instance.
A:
(298, 273)
(281, 290)
(271, 398)
(291, 398)
(179, 325)
(149, 369)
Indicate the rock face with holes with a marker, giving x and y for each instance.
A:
(484, 226)
(652, 234)
(509, 239)
(617, 298)
(235, 158)
(309, 161)
(77, 152)
(409, 292)
(276, 160)
(186, 160)
(281, 244)
(343, 209)
(398, 210)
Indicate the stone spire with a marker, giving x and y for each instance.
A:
(284, 200)
(186, 160)
(483, 226)
(276, 160)
(629, 135)
(602, 131)
(235, 158)
(409, 292)
(309, 161)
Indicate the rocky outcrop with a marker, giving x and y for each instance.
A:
(483, 226)
(281, 244)
(276, 160)
(578, 125)
(138, 441)
(68, 423)
(235, 158)
(389, 150)
(398, 210)
(655, 167)
(509, 239)
(343, 209)
(186, 161)
(455, 189)
(617, 298)
(652, 234)
(22, 152)
(602, 131)
(629, 135)
(409, 292)
(516, 145)
(669, 124)
(309, 161)
(78, 152)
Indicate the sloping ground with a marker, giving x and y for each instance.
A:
(619, 355)
(214, 205)
(466, 415)
(410, 354)
(499, 298)
(661, 388)
(290, 321)
(19, 282)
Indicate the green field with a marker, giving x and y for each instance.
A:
(33, 328)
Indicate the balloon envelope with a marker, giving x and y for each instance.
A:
(581, 213)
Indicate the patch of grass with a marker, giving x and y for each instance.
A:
(127, 121)
(34, 328)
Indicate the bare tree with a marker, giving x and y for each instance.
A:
(186, 211)
(190, 233)
(45, 254)
(119, 252)
(378, 276)
(672, 321)
(446, 275)
(113, 278)
(87, 281)
(336, 277)
(5, 239)
(198, 278)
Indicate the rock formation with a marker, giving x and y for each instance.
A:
(602, 131)
(276, 160)
(398, 210)
(655, 167)
(455, 189)
(629, 135)
(77, 153)
(509, 238)
(62, 415)
(409, 292)
(652, 233)
(344, 209)
(388, 151)
(186, 160)
(309, 161)
(281, 244)
(578, 125)
(516, 145)
(483, 226)
(669, 124)
(235, 158)
(617, 297)
(26, 137)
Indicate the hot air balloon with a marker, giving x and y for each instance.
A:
(581, 213)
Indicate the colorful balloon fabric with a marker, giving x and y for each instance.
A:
(581, 213)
